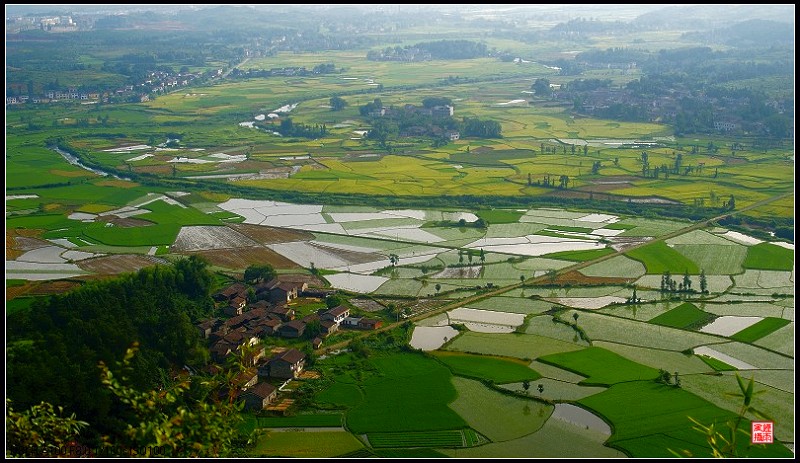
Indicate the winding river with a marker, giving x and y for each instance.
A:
(77, 162)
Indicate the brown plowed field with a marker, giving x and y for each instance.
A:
(241, 258)
(33, 288)
(112, 265)
(19, 240)
(576, 278)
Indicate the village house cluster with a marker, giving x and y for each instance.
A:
(158, 82)
(270, 315)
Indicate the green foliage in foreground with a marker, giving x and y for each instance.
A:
(649, 418)
(685, 315)
(659, 258)
(40, 431)
(19, 304)
(767, 256)
(728, 442)
(600, 366)
(760, 329)
(53, 349)
(494, 369)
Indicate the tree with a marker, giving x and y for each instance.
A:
(540, 387)
(188, 418)
(482, 256)
(703, 282)
(334, 300)
(313, 329)
(337, 103)
(687, 282)
(40, 431)
(256, 273)
(575, 316)
(732, 203)
(541, 87)
(438, 288)
(526, 385)
(460, 256)
(522, 279)
(394, 259)
(551, 275)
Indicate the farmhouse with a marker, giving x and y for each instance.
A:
(227, 294)
(351, 322)
(336, 314)
(236, 306)
(369, 323)
(293, 329)
(329, 327)
(259, 396)
(288, 364)
(207, 327)
(245, 379)
(280, 292)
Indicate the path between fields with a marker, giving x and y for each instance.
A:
(543, 278)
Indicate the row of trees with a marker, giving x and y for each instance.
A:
(670, 285)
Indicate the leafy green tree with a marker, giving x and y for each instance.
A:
(185, 419)
(526, 385)
(540, 387)
(394, 259)
(40, 431)
(256, 273)
(541, 87)
(703, 282)
(313, 329)
(337, 103)
(438, 288)
(334, 300)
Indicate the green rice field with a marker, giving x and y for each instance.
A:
(600, 366)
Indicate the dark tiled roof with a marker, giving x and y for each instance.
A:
(262, 390)
(291, 356)
(338, 310)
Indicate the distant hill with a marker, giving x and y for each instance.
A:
(714, 16)
(751, 33)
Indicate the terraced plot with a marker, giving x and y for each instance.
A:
(524, 346)
(499, 417)
(619, 267)
(714, 259)
(605, 328)
(556, 439)
(202, 237)
(520, 305)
